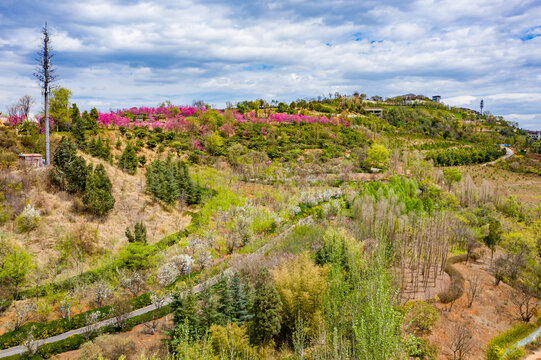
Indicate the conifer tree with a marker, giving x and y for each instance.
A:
(186, 313)
(77, 126)
(225, 306)
(98, 197)
(91, 120)
(267, 310)
(240, 301)
(129, 161)
(139, 233)
(76, 172)
(209, 308)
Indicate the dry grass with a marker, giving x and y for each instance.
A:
(62, 215)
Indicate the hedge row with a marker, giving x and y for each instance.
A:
(498, 345)
(456, 287)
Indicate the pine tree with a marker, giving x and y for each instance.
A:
(77, 126)
(186, 313)
(76, 175)
(98, 197)
(139, 233)
(128, 161)
(225, 306)
(209, 308)
(266, 309)
(91, 120)
(240, 301)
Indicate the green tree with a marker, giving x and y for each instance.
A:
(215, 143)
(128, 161)
(14, 269)
(91, 120)
(267, 310)
(139, 233)
(77, 128)
(240, 301)
(186, 313)
(225, 302)
(451, 176)
(209, 308)
(494, 236)
(59, 102)
(69, 171)
(98, 197)
(377, 157)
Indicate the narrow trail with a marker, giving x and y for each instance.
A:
(18, 350)
(509, 153)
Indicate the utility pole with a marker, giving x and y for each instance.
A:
(45, 76)
(481, 106)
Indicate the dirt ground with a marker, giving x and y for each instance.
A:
(145, 342)
(492, 312)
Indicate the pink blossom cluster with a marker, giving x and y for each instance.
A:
(174, 118)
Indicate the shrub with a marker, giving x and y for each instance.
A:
(498, 345)
(28, 220)
(421, 315)
(456, 286)
(377, 157)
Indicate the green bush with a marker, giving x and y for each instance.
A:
(28, 220)
(421, 316)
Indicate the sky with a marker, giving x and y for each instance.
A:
(117, 53)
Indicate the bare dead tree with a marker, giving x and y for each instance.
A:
(45, 74)
(24, 105)
(525, 303)
(12, 110)
(120, 311)
(461, 342)
(474, 289)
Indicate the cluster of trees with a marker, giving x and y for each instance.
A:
(465, 155)
(170, 181)
(100, 148)
(71, 173)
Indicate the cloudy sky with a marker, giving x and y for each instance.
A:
(120, 53)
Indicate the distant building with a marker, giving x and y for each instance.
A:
(436, 98)
(32, 160)
(534, 135)
(374, 111)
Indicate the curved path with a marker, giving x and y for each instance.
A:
(18, 350)
(509, 153)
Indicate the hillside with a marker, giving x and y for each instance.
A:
(344, 234)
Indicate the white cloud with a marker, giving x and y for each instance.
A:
(114, 54)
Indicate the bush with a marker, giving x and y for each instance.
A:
(28, 220)
(421, 316)
(456, 287)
